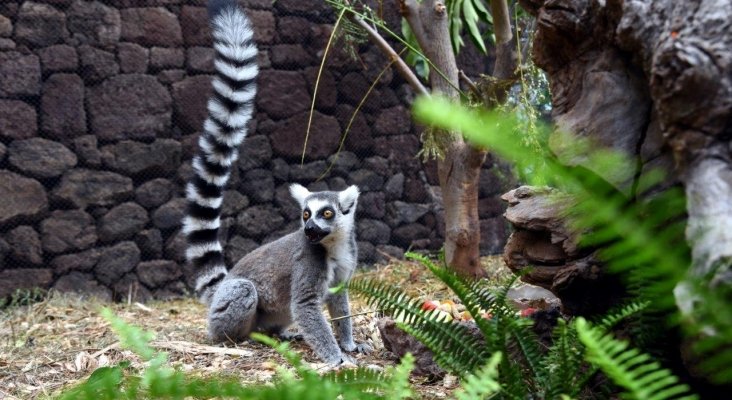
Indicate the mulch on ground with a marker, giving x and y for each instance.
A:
(58, 342)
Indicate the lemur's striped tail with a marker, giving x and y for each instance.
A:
(229, 109)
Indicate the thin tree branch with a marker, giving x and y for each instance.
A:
(473, 87)
(506, 57)
(382, 44)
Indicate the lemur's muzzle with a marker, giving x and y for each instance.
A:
(314, 233)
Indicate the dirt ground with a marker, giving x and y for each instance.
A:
(55, 343)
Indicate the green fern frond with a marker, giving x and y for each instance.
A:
(482, 383)
(564, 363)
(643, 378)
(610, 319)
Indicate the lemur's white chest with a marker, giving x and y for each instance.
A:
(340, 263)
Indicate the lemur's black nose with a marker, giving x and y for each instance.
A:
(314, 233)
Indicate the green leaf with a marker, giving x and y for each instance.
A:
(471, 20)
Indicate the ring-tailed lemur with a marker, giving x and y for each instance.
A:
(283, 281)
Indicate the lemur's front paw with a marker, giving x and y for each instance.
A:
(362, 348)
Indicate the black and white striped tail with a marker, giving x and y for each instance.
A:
(229, 109)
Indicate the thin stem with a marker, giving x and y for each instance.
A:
(469, 82)
(353, 315)
(317, 82)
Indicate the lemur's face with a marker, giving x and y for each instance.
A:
(325, 215)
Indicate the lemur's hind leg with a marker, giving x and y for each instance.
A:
(233, 310)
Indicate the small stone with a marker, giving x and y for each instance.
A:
(82, 284)
(290, 56)
(189, 99)
(406, 234)
(255, 153)
(151, 26)
(87, 151)
(378, 164)
(170, 214)
(393, 121)
(122, 222)
(96, 64)
(59, 57)
(258, 221)
(83, 261)
(21, 74)
(40, 158)
(62, 106)
(371, 205)
(286, 95)
(68, 231)
(194, 25)
(366, 180)
(150, 243)
(170, 76)
(323, 141)
(130, 105)
(233, 203)
(39, 25)
(25, 245)
(327, 96)
(280, 169)
(258, 185)
(264, 25)
(366, 253)
(394, 187)
(24, 199)
(133, 58)
(159, 158)
(291, 29)
(17, 120)
(175, 247)
(94, 23)
(128, 288)
(116, 261)
(373, 231)
(237, 248)
(307, 172)
(155, 192)
(161, 58)
(400, 212)
(200, 59)
(82, 187)
(24, 278)
(343, 162)
(158, 272)
(6, 26)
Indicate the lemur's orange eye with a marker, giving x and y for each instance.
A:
(306, 215)
(327, 214)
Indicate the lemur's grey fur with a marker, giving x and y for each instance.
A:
(283, 281)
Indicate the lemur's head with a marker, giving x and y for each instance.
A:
(326, 216)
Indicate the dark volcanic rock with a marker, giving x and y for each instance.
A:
(290, 56)
(39, 24)
(83, 284)
(394, 187)
(366, 180)
(150, 243)
(406, 234)
(67, 231)
(83, 187)
(158, 158)
(293, 29)
(170, 214)
(255, 154)
(154, 193)
(23, 198)
(190, 97)
(116, 261)
(237, 248)
(133, 58)
(400, 212)
(122, 222)
(307, 172)
(371, 205)
(264, 26)
(234, 202)
(151, 26)
(158, 272)
(194, 25)
(175, 247)
(17, 119)
(86, 148)
(366, 252)
(162, 57)
(21, 74)
(258, 185)
(373, 231)
(93, 23)
(400, 343)
(286, 94)
(40, 158)
(59, 57)
(62, 106)
(393, 121)
(343, 162)
(128, 288)
(83, 261)
(493, 235)
(200, 59)
(323, 141)
(25, 246)
(97, 64)
(130, 105)
(259, 220)
(23, 278)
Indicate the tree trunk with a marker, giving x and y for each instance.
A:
(651, 78)
(459, 170)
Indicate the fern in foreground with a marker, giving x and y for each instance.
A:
(637, 372)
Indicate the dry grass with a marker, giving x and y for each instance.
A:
(53, 344)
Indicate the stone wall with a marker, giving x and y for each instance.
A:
(100, 106)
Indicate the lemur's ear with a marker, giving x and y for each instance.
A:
(299, 193)
(347, 199)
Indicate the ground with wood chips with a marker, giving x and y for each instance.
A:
(55, 343)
